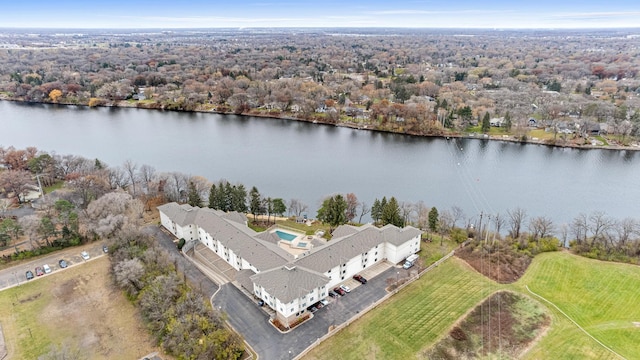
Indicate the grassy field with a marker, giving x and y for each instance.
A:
(434, 250)
(77, 308)
(413, 319)
(601, 297)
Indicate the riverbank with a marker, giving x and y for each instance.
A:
(321, 120)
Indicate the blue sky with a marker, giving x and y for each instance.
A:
(330, 13)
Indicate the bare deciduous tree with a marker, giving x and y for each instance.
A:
(16, 183)
(541, 227)
(579, 228)
(364, 210)
(128, 274)
(516, 219)
(457, 214)
(297, 207)
(130, 169)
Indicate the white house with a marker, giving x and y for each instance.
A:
(289, 282)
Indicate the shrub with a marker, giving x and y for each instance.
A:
(181, 243)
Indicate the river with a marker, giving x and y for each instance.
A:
(290, 159)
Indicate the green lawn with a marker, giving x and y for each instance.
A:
(56, 186)
(77, 307)
(413, 319)
(600, 296)
(434, 250)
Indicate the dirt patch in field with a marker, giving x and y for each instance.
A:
(95, 317)
(499, 262)
(503, 326)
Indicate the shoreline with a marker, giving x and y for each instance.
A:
(479, 136)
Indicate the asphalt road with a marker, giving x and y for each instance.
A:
(196, 278)
(15, 275)
(244, 314)
(21, 211)
(248, 319)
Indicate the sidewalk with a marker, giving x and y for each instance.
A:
(202, 261)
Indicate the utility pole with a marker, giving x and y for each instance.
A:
(480, 226)
(40, 185)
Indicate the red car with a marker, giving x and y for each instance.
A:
(39, 271)
(360, 278)
(340, 291)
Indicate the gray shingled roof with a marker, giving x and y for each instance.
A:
(398, 236)
(289, 282)
(235, 216)
(180, 214)
(340, 250)
(280, 274)
(240, 241)
(344, 230)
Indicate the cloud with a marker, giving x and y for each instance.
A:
(435, 12)
(201, 19)
(595, 15)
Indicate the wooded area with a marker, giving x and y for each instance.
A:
(572, 83)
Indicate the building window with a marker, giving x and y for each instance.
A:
(343, 278)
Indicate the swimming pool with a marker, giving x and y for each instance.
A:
(285, 236)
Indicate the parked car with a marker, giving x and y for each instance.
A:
(324, 302)
(46, 268)
(340, 291)
(63, 264)
(260, 302)
(105, 249)
(333, 294)
(29, 274)
(345, 288)
(360, 279)
(39, 271)
(85, 255)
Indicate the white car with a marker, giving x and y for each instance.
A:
(345, 288)
(85, 255)
(46, 268)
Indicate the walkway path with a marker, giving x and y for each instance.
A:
(575, 323)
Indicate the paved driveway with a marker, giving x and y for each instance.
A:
(252, 323)
(197, 279)
(248, 319)
(15, 275)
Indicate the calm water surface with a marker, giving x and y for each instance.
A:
(291, 159)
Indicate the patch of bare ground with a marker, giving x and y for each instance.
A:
(500, 261)
(95, 316)
(504, 325)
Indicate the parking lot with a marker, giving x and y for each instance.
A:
(252, 321)
(248, 319)
(16, 275)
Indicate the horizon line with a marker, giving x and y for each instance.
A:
(326, 27)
